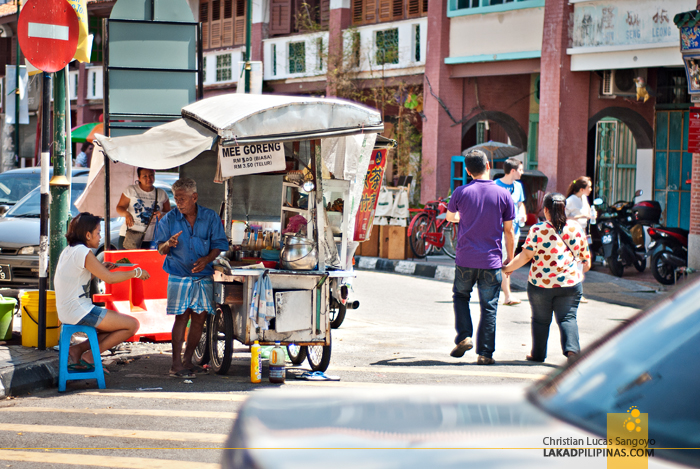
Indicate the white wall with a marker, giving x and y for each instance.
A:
(282, 47)
(406, 44)
(497, 33)
(210, 65)
(645, 170)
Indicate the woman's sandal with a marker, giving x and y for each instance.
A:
(185, 374)
(91, 366)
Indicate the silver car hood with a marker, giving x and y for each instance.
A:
(18, 232)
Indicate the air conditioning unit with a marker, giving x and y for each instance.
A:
(621, 82)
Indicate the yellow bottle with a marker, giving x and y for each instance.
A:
(255, 371)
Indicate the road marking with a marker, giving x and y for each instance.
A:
(47, 31)
(189, 396)
(114, 432)
(101, 461)
(141, 412)
(423, 371)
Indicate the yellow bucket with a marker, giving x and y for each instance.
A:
(29, 303)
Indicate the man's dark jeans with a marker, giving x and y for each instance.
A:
(564, 303)
(488, 282)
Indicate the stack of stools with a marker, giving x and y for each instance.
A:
(64, 374)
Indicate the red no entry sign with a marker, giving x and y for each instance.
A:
(48, 33)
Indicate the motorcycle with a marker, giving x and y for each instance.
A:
(621, 230)
(670, 257)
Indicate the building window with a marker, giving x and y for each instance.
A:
(75, 87)
(223, 67)
(297, 57)
(274, 59)
(93, 77)
(355, 49)
(416, 49)
(382, 11)
(469, 7)
(319, 53)
(388, 46)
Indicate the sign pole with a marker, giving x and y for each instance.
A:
(17, 97)
(248, 21)
(60, 205)
(44, 217)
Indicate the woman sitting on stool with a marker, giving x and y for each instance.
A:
(76, 266)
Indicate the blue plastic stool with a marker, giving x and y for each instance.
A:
(64, 374)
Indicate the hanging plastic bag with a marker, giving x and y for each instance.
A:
(400, 209)
(385, 203)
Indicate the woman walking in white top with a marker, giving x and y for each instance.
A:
(577, 207)
(76, 266)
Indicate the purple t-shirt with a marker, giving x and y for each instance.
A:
(483, 206)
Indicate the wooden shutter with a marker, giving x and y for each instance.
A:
(280, 17)
(204, 19)
(369, 15)
(227, 36)
(414, 8)
(325, 13)
(424, 7)
(385, 10)
(215, 29)
(240, 22)
(397, 9)
(357, 12)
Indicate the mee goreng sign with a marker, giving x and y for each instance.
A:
(251, 159)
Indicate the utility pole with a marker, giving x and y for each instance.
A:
(60, 205)
(44, 217)
(248, 21)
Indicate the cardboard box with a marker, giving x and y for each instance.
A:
(370, 248)
(392, 242)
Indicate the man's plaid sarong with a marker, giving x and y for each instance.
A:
(196, 293)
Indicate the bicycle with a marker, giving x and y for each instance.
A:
(429, 230)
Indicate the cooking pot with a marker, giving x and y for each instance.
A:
(298, 253)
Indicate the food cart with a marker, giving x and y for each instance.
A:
(269, 158)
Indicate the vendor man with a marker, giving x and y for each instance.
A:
(190, 236)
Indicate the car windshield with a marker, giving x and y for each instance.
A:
(650, 363)
(30, 206)
(13, 187)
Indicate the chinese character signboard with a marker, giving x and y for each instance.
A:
(694, 130)
(368, 203)
(690, 47)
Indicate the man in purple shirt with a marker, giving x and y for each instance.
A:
(485, 213)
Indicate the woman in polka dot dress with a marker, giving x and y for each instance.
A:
(554, 282)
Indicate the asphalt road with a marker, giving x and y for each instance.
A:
(401, 335)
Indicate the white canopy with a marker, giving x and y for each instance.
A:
(240, 118)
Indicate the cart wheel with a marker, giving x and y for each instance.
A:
(221, 340)
(337, 315)
(201, 353)
(319, 357)
(297, 353)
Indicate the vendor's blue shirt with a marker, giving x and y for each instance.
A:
(194, 243)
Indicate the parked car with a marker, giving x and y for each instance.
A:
(16, 183)
(19, 234)
(648, 364)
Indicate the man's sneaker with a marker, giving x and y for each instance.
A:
(462, 347)
(482, 360)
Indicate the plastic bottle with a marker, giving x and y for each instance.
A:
(277, 368)
(255, 370)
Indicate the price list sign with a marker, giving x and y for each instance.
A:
(694, 130)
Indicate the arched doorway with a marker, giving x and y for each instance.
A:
(619, 154)
(495, 126)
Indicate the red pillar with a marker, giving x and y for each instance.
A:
(339, 21)
(81, 110)
(694, 238)
(441, 140)
(257, 33)
(564, 96)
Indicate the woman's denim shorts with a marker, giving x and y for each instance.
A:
(94, 317)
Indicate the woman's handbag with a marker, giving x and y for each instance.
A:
(132, 238)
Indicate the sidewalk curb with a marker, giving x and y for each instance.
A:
(443, 273)
(28, 377)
